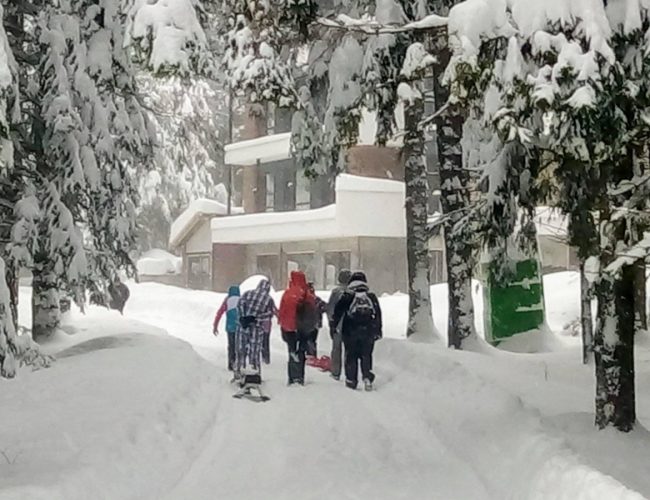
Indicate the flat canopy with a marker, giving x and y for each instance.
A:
(263, 149)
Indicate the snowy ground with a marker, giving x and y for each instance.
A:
(129, 412)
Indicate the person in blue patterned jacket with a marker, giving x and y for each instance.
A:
(256, 309)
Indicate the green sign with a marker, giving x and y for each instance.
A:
(516, 306)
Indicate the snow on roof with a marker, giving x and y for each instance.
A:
(276, 147)
(194, 213)
(266, 149)
(355, 214)
(348, 182)
(157, 262)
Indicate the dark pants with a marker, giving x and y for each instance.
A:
(297, 347)
(232, 350)
(266, 347)
(312, 344)
(337, 353)
(358, 351)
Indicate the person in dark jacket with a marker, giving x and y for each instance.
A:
(359, 312)
(118, 294)
(229, 308)
(335, 334)
(321, 307)
(298, 318)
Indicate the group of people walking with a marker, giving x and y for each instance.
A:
(353, 314)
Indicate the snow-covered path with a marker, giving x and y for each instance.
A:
(432, 429)
(135, 414)
(322, 441)
(319, 441)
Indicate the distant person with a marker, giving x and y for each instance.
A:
(335, 333)
(321, 307)
(229, 308)
(298, 319)
(118, 294)
(255, 309)
(361, 325)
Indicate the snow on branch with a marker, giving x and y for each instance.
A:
(372, 27)
(167, 34)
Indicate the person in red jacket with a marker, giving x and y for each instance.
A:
(298, 318)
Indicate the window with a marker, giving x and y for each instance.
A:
(269, 266)
(437, 266)
(270, 193)
(304, 262)
(303, 192)
(199, 276)
(334, 263)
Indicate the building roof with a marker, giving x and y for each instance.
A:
(192, 215)
(277, 147)
(263, 149)
(354, 214)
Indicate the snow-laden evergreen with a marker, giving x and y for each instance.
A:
(15, 349)
(190, 123)
(167, 37)
(573, 92)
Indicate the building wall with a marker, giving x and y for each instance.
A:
(200, 241)
(313, 253)
(375, 161)
(228, 265)
(384, 262)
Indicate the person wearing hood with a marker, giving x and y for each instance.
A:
(229, 308)
(359, 315)
(335, 334)
(298, 319)
(255, 310)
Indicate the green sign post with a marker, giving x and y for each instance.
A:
(516, 306)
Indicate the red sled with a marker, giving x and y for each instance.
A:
(323, 363)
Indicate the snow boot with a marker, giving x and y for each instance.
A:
(367, 384)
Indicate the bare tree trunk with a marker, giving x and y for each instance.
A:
(417, 237)
(454, 199)
(586, 320)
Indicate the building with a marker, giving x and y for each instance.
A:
(190, 237)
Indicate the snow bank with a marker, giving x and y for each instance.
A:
(119, 415)
(488, 428)
(158, 262)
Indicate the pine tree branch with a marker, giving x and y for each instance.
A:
(434, 24)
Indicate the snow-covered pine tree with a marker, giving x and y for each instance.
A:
(190, 121)
(410, 92)
(373, 82)
(255, 67)
(14, 348)
(579, 100)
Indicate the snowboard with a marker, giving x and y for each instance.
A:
(251, 384)
(246, 392)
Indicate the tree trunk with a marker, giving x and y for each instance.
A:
(586, 320)
(640, 295)
(417, 237)
(11, 276)
(454, 199)
(614, 352)
(46, 315)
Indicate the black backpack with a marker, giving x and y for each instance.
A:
(362, 308)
